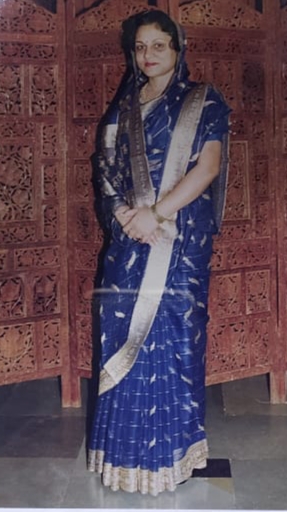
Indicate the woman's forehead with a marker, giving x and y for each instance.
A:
(151, 32)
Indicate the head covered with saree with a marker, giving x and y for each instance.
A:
(163, 22)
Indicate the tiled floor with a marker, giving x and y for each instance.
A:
(42, 453)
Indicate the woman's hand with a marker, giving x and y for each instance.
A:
(124, 214)
(142, 226)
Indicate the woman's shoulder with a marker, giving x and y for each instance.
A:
(213, 93)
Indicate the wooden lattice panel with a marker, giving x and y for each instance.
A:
(33, 334)
(97, 63)
(243, 286)
(242, 306)
(236, 46)
(216, 13)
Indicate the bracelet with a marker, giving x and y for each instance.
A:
(159, 218)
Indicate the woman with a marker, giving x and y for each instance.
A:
(161, 166)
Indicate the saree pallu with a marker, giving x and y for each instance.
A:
(148, 431)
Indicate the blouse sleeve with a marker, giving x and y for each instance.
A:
(216, 127)
(216, 116)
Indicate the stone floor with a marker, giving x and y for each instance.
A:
(42, 453)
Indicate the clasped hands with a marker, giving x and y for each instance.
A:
(139, 224)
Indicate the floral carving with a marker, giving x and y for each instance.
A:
(37, 257)
(257, 130)
(198, 69)
(51, 222)
(262, 218)
(22, 16)
(258, 291)
(84, 337)
(130, 7)
(240, 255)
(83, 186)
(88, 90)
(261, 178)
(16, 201)
(228, 347)
(27, 51)
(45, 294)
(17, 349)
(238, 203)
(11, 90)
(51, 351)
(44, 90)
(86, 258)
(50, 181)
(225, 299)
(218, 258)
(235, 231)
(225, 78)
(104, 17)
(259, 348)
(224, 45)
(18, 234)
(49, 140)
(85, 223)
(101, 50)
(216, 13)
(108, 15)
(4, 260)
(14, 128)
(85, 289)
(11, 298)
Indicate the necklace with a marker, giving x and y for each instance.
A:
(147, 94)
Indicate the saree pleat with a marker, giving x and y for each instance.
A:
(149, 429)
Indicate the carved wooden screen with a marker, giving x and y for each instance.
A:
(229, 46)
(96, 65)
(33, 298)
(280, 88)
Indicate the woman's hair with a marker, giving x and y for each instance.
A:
(153, 17)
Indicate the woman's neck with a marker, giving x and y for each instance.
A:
(155, 87)
(159, 83)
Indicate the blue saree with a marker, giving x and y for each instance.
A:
(148, 430)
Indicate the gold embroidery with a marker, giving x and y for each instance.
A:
(145, 481)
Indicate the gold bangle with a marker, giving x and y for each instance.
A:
(159, 218)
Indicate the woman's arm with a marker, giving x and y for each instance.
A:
(195, 182)
(143, 225)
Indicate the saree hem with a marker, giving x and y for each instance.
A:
(146, 481)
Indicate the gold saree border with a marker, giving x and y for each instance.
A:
(146, 481)
(144, 193)
(152, 286)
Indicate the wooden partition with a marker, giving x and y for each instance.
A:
(230, 46)
(34, 337)
(60, 66)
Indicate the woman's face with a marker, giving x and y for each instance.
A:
(154, 54)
